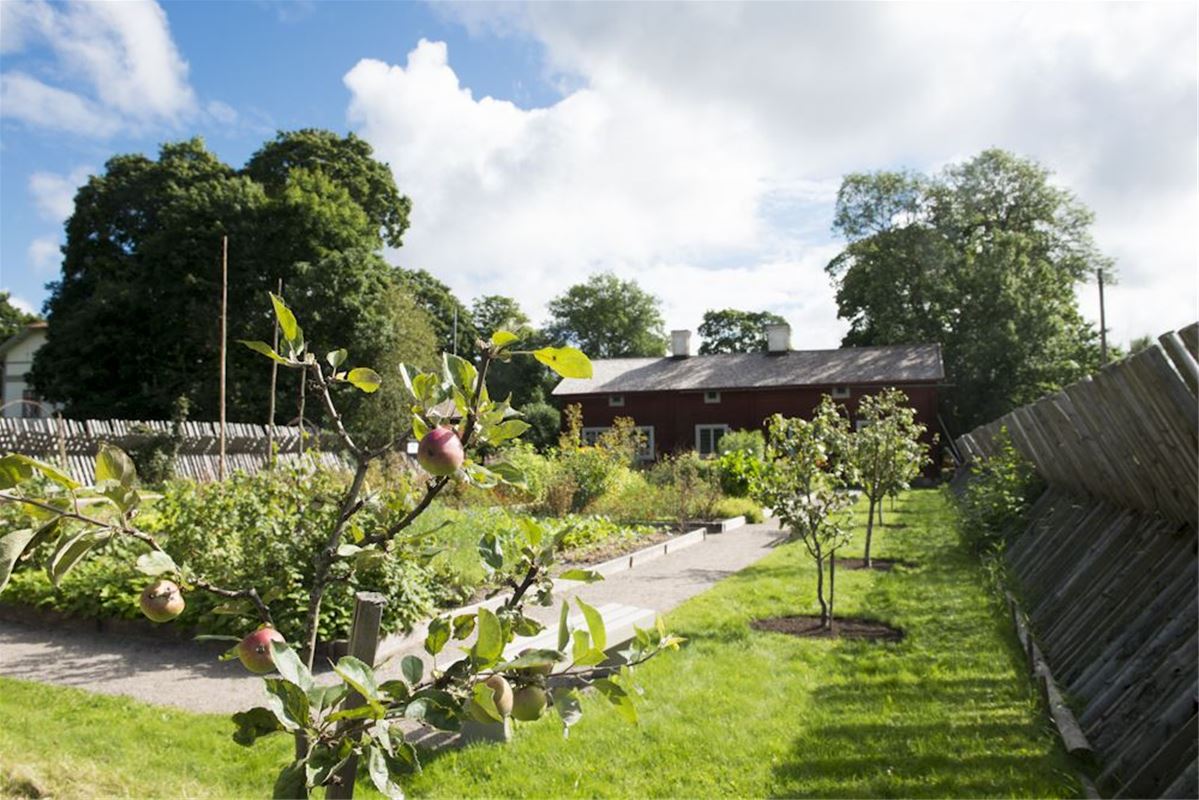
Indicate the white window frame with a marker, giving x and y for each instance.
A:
(841, 392)
(711, 398)
(616, 401)
(590, 434)
(701, 429)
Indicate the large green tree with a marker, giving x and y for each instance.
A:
(12, 319)
(525, 380)
(733, 331)
(608, 318)
(134, 317)
(451, 320)
(983, 258)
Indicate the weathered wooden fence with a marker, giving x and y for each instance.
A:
(77, 441)
(1107, 570)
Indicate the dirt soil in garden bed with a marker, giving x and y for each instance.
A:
(610, 550)
(879, 564)
(843, 628)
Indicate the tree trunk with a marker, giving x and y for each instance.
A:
(832, 588)
(869, 532)
(820, 591)
(880, 513)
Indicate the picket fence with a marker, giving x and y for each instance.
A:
(247, 446)
(1106, 572)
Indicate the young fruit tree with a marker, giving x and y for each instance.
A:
(805, 480)
(356, 720)
(887, 451)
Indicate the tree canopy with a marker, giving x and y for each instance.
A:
(12, 319)
(733, 331)
(445, 311)
(134, 316)
(608, 318)
(982, 258)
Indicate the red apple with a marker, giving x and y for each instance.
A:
(161, 601)
(440, 452)
(254, 651)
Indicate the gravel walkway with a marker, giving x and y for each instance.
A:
(187, 675)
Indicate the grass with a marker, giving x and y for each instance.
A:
(948, 712)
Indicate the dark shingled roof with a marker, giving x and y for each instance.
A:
(895, 364)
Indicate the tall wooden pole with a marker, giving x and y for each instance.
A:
(1102, 323)
(224, 334)
(270, 431)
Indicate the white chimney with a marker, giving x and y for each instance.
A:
(680, 343)
(778, 338)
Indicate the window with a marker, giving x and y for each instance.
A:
(840, 392)
(711, 397)
(646, 453)
(616, 400)
(707, 437)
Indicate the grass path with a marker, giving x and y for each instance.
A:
(948, 712)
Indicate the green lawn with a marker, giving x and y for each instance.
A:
(948, 712)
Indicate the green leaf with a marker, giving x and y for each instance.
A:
(71, 551)
(563, 627)
(439, 634)
(50, 471)
(347, 550)
(395, 690)
(359, 712)
(569, 362)
(533, 530)
(336, 357)
(365, 379)
(290, 667)
(265, 349)
(253, 724)
(595, 624)
(480, 475)
(112, 464)
(618, 697)
(14, 471)
(527, 626)
(484, 696)
(582, 652)
(288, 703)
(407, 380)
(585, 575)
(533, 658)
(489, 645)
(419, 427)
(507, 430)
(292, 782)
(462, 373)
(503, 338)
(569, 709)
(155, 563)
(377, 767)
(464, 625)
(45, 533)
(11, 547)
(361, 677)
(413, 669)
(287, 320)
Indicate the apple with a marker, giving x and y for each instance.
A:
(501, 695)
(162, 601)
(528, 703)
(254, 651)
(440, 452)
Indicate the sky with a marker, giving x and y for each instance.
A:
(696, 148)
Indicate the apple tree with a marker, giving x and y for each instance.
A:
(805, 480)
(357, 719)
(887, 450)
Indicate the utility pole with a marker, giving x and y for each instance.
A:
(1102, 322)
(224, 334)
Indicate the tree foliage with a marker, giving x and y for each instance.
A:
(134, 316)
(805, 479)
(608, 318)
(982, 258)
(733, 331)
(452, 321)
(12, 319)
(887, 451)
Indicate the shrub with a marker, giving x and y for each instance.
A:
(631, 498)
(693, 483)
(996, 499)
(545, 422)
(738, 470)
(752, 442)
(739, 507)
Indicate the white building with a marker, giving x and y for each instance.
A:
(17, 398)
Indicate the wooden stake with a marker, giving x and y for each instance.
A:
(270, 431)
(224, 335)
(364, 645)
(1102, 322)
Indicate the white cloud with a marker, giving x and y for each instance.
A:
(121, 52)
(20, 303)
(54, 194)
(703, 148)
(44, 254)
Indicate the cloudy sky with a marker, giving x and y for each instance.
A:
(697, 148)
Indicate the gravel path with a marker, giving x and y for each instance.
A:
(187, 675)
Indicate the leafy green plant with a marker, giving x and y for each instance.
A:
(738, 471)
(692, 481)
(337, 727)
(752, 442)
(808, 471)
(739, 507)
(998, 495)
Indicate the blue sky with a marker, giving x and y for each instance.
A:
(696, 148)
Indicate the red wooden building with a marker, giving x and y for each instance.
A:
(689, 401)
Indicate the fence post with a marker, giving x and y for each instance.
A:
(364, 643)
